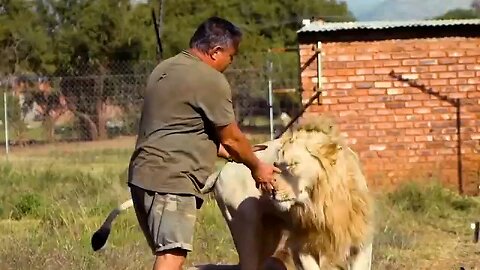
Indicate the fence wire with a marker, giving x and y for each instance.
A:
(91, 103)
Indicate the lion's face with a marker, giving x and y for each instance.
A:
(301, 170)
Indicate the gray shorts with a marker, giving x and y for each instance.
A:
(167, 220)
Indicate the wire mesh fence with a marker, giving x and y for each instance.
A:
(86, 103)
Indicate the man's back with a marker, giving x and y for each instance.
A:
(176, 145)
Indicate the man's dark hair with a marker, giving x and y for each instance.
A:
(213, 32)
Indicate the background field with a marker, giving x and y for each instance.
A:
(52, 198)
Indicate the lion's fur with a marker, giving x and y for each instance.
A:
(336, 222)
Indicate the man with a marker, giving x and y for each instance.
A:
(186, 122)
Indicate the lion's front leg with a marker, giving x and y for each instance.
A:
(363, 260)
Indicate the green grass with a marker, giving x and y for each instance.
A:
(51, 203)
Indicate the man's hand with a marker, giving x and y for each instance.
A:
(264, 175)
(239, 148)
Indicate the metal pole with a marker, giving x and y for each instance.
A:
(270, 96)
(6, 123)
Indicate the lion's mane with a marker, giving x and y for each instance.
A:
(338, 221)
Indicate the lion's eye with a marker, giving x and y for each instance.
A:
(292, 165)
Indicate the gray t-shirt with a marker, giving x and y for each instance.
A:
(177, 147)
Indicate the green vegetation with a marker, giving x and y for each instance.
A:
(52, 201)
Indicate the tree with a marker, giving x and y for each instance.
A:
(459, 13)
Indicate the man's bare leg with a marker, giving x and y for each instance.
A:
(170, 260)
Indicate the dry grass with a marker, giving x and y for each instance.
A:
(54, 198)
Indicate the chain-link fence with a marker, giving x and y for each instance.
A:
(88, 103)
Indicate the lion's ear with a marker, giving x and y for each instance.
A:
(259, 147)
(326, 152)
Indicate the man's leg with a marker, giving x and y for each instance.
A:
(168, 223)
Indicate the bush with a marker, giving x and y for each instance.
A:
(27, 204)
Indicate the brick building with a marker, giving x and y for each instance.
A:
(402, 132)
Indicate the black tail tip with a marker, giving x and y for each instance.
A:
(99, 238)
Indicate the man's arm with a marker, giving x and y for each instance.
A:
(237, 146)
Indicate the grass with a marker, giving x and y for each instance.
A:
(52, 201)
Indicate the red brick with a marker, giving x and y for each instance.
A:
(346, 57)
(377, 91)
(437, 68)
(386, 125)
(403, 111)
(382, 70)
(347, 99)
(428, 62)
(435, 82)
(457, 81)
(474, 81)
(374, 63)
(391, 63)
(384, 112)
(466, 60)
(363, 57)
(466, 88)
(437, 54)
(412, 104)
(356, 64)
(400, 55)
(429, 75)
(345, 113)
(375, 119)
(466, 74)
(414, 131)
(422, 110)
(363, 71)
(359, 92)
(395, 105)
(338, 93)
(474, 52)
(404, 125)
(382, 56)
(344, 85)
(383, 84)
(345, 72)
(456, 67)
(427, 138)
(329, 101)
(431, 103)
(376, 105)
(447, 61)
(418, 54)
(356, 78)
(338, 107)
(458, 95)
(402, 97)
(364, 85)
(366, 99)
(409, 62)
(447, 75)
(455, 53)
(421, 97)
(418, 69)
(367, 112)
(376, 133)
(395, 91)
(473, 67)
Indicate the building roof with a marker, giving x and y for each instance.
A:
(319, 26)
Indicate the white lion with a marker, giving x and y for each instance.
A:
(320, 216)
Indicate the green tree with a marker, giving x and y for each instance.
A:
(472, 13)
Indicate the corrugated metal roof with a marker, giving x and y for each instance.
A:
(318, 26)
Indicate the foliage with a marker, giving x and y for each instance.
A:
(459, 13)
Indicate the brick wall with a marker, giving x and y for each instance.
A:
(400, 132)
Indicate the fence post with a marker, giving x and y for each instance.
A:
(5, 122)
(270, 94)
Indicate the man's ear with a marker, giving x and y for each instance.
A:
(214, 51)
(259, 147)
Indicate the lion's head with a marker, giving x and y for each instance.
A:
(323, 189)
